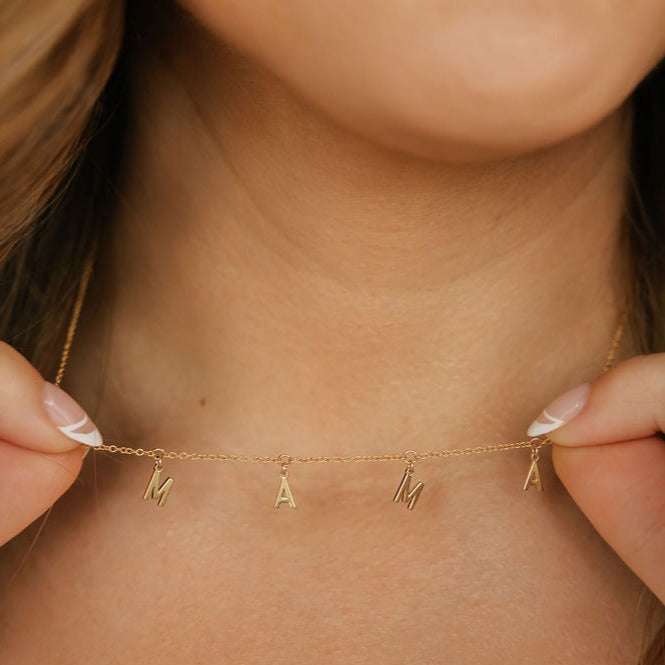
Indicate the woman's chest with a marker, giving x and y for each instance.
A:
(470, 575)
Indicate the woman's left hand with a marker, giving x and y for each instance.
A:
(610, 457)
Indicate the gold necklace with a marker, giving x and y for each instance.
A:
(159, 491)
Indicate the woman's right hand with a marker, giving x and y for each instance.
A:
(41, 432)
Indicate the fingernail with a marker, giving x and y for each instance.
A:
(69, 417)
(560, 411)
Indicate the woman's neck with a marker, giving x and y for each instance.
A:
(292, 285)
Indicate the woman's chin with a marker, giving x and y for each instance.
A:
(451, 80)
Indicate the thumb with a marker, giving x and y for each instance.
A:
(609, 453)
(41, 429)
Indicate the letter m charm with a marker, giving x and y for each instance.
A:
(404, 491)
(156, 491)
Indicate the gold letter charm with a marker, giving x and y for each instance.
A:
(154, 490)
(284, 493)
(404, 491)
(533, 477)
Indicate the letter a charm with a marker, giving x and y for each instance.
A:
(154, 490)
(284, 493)
(533, 477)
(404, 491)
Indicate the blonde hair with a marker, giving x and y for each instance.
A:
(55, 61)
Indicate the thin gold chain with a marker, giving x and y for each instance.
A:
(160, 453)
(73, 322)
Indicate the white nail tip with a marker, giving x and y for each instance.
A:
(538, 427)
(93, 438)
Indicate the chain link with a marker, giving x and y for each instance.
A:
(158, 453)
(534, 443)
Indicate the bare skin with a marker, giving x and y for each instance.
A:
(279, 281)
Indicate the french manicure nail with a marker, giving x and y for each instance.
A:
(560, 411)
(69, 417)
